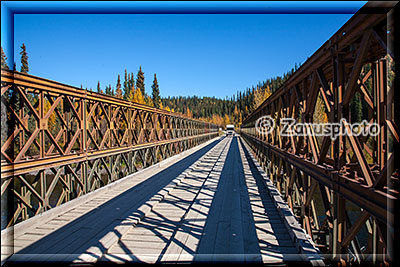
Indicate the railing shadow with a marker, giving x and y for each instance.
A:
(224, 238)
(70, 240)
(169, 233)
(281, 246)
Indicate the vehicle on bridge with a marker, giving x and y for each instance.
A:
(230, 130)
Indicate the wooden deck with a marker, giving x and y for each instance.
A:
(212, 205)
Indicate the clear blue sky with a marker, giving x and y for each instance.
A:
(204, 54)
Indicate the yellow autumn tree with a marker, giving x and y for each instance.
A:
(138, 97)
(227, 120)
(320, 115)
(46, 107)
(51, 123)
(131, 96)
(189, 113)
(236, 112)
(267, 92)
(260, 95)
(217, 119)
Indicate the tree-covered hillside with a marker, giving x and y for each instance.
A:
(232, 109)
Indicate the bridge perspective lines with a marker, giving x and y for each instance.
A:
(92, 179)
(213, 205)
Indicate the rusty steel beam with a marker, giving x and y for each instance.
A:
(349, 169)
(353, 190)
(79, 141)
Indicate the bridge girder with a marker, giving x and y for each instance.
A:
(352, 173)
(62, 142)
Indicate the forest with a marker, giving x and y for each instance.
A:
(233, 109)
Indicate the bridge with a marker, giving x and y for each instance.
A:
(92, 179)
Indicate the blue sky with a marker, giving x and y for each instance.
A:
(203, 54)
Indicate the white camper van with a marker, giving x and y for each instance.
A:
(230, 129)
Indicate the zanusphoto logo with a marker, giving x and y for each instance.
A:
(266, 124)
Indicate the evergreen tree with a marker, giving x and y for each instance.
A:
(3, 60)
(126, 85)
(109, 90)
(364, 108)
(140, 80)
(148, 101)
(126, 80)
(98, 88)
(118, 89)
(356, 108)
(132, 81)
(131, 96)
(24, 59)
(130, 85)
(156, 93)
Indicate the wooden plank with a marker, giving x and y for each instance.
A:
(303, 243)
(272, 234)
(236, 216)
(107, 208)
(166, 220)
(218, 207)
(251, 242)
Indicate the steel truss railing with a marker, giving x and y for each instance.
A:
(352, 170)
(59, 142)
